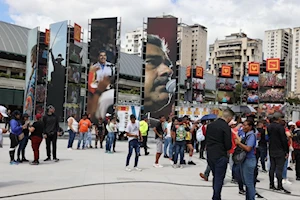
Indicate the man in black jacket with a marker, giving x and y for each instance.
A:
(51, 128)
(278, 150)
(218, 143)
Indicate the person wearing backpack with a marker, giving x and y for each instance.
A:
(202, 131)
(179, 135)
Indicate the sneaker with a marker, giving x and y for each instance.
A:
(70, 149)
(272, 187)
(202, 158)
(290, 169)
(203, 176)
(114, 151)
(233, 181)
(106, 151)
(147, 153)
(128, 169)
(157, 165)
(298, 179)
(25, 160)
(180, 166)
(47, 159)
(96, 147)
(286, 181)
(191, 163)
(34, 163)
(258, 196)
(242, 192)
(282, 190)
(14, 162)
(171, 162)
(257, 181)
(110, 152)
(165, 156)
(19, 160)
(78, 148)
(138, 169)
(56, 159)
(91, 147)
(174, 166)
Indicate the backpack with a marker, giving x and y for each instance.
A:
(180, 133)
(199, 135)
(239, 154)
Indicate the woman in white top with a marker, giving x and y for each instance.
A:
(111, 129)
(72, 129)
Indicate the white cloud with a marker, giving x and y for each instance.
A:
(221, 17)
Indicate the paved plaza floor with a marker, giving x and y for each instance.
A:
(93, 174)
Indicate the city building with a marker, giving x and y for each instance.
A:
(199, 45)
(278, 44)
(296, 62)
(133, 43)
(236, 50)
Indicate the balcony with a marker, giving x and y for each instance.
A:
(12, 83)
(228, 53)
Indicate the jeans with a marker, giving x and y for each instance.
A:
(179, 149)
(284, 171)
(82, 137)
(110, 140)
(218, 168)
(231, 165)
(247, 172)
(144, 143)
(236, 170)
(277, 164)
(297, 158)
(88, 139)
(202, 148)
(168, 143)
(207, 171)
(51, 139)
(35, 143)
(71, 138)
(22, 146)
(263, 155)
(133, 144)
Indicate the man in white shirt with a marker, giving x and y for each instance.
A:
(133, 133)
(168, 142)
(3, 111)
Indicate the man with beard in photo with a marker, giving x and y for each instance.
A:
(158, 73)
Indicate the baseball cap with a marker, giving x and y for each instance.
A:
(291, 124)
(38, 116)
(3, 111)
(298, 124)
(50, 107)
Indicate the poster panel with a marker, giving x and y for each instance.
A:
(160, 66)
(272, 80)
(227, 84)
(74, 73)
(124, 113)
(31, 72)
(225, 97)
(271, 95)
(250, 82)
(103, 57)
(57, 66)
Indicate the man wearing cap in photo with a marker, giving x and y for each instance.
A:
(51, 129)
(3, 114)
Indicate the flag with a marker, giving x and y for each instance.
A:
(77, 32)
(253, 68)
(273, 64)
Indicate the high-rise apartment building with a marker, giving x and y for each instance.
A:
(134, 42)
(236, 50)
(296, 62)
(199, 45)
(278, 44)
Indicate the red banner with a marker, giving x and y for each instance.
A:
(273, 64)
(226, 71)
(47, 37)
(77, 32)
(253, 68)
(199, 72)
(188, 72)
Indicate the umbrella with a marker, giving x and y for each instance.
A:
(243, 109)
(208, 117)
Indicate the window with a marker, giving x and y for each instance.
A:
(245, 52)
(129, 40)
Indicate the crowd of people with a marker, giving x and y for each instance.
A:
(244, 145)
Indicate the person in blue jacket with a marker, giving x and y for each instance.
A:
(16, 130)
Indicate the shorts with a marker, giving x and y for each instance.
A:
(159, 145)
(188, 142)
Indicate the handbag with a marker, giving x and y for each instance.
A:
(21, 136)
(239, 154)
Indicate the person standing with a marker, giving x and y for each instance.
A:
(111, 129)
(36, 137)
(2, 130)
(23, 143)
(99, 133)
(168, 141)
(144, 132)
(133, 134)
(218, 143)
(51, 128)
(15, 135)
(247, 169)
(203, 142)
(262, 145)
(296, 146)
(116, 135)
(72, 129)
(159, 134)
(278, 150)
(179, 135)
(84, 125)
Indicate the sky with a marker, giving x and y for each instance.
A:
(221, 17)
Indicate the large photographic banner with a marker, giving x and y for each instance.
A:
(57, 66)
(160, 67)
(102, 72)
(31, 72)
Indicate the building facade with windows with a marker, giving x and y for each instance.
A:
(296, 62)
(236, 50)
(134, 42)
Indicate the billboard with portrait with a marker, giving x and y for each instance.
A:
(73, 94)
(227, 84)
(74, 73)
(272, 80)
(271, 95)
(31, 72)
(225, 97)
(198, 84)
(250, 82)
(57, 67)
(251, 97)
(102, 71)
(160, 67)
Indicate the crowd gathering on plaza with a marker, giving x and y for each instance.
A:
(246, 145)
